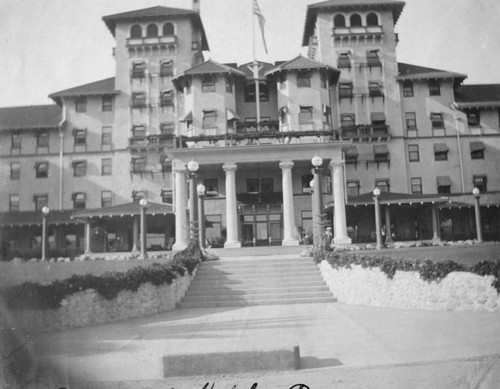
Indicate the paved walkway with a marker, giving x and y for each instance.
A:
(330, 335)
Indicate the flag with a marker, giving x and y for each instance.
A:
(262, 21)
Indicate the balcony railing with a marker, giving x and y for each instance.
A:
(252, 128)
(365, 132)
(153, 143)
(159, 40)
(357, 31)
(260, 198)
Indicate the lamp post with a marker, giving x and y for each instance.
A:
(45, 213)
(144, 205)
(193, 167)
(201, 213)
(317, 203)
(477, 209)
(376, 194)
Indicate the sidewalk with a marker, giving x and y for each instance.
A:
(332, 337)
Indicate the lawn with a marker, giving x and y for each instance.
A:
(45, 272)
(466, 255)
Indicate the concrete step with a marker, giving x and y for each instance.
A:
(242, 303)
(237, 296)
(199, 284)
(258, 251)
(255, 289)
(256, 278)
(256, 264)
(286, 271)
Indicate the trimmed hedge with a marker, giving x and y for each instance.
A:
(428, 270)
(49, 296)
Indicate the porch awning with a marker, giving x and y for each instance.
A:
(350, 151)
(34, 218)
(440, 148)
(378, 117)
(188, 117)
(380, 149)
(477, 146)
(443, 181)
(128, 209)
(397, 199)
(231, 115)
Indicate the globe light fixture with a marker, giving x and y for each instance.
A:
(311, 184)
(143, 203)
(45, 211)
(477, 211)
(476, 192)
(317, 161)
(193, 166)
(200, 189)
(376, 192)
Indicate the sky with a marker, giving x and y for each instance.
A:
(51, 45)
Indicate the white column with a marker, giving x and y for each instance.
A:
(181, 227)
(339, 221)
(435, 223)
(88, 249)
(232, 240)
(290, 238)
(135, 233)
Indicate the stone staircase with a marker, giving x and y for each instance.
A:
(258, 280)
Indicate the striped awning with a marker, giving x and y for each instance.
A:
(380, 149)
(188, 117)
(440, 148)
(378, 117)
(350, 151)
(443, 181)
(477, 146)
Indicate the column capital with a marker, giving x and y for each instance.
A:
(230, 167)
(286, 164)
(336, 163)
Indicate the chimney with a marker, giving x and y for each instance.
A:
(196, 5)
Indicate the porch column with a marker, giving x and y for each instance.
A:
(435, 225)
(388, 224)
(181, 228)
(339, 221)
(231, 207)
(87, 248)
(135, 233)
(289, 236)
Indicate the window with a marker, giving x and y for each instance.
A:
(42, 139)
(373, 58)
(16, 141)
(106, 199)
(437, 120)
(375, 88)
(41, 200)
(139, 100)
(138, 164)
(440, 152)
(477, 150)
(167, 128)
(382, 184)
(81, 104)
(107, 103)
(413, 153)
(345, 90)
(327, 114)
(211, 186)
(324, 80)
(411, 120)
(106, 166)
(167, 98)
(229, 84)
(15, 170)
(266, 185)
(434, 88)
(41, 169)
(381, 153)
(136, 31)
(106, 136)
(151, 31)
(209, 119)
(355, 20)
(79, 168)
(79, 200)
(443, 184)
(339, 21)
(138, 195)
(250, 92)
(208, 84)
(372, 19)
(281, 81)
(347, 120)
(168, 29)
(166, 165)
(473, 118)
(344, 61)
(14, 203)
(80, 137)
(303, 79)
(167, 69)
(416, 185)
(306, 114)
(352, 188)
(139, 69)
(139, 132)
(350, 154)
(407, 88)
(167, 196)
(480, 183)
(253, 185)
(306, 181)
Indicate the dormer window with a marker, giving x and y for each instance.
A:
(168, 29)
(136, 32)
(303, 79)
(167, 98)
(167, 68)
(344, 61)
(208, 84)
(373, 58)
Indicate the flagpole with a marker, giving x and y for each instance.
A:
(255, 70)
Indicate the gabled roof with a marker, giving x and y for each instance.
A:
(128, 209)
(301, 62)
(212, 67)
(414, 72)
(156, 13)
(479, 95)
(333, 5)
(102, 87)
(30, 117)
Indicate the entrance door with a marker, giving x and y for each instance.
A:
(261, 229)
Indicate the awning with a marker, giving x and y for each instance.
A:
(477, 146)
(350, 151)
(380, 149)
(128, 209)
(34, 218)
(440, 148)
(231, 115)
(378, 117)
(188, 117)
(443, 181)
(80, 161)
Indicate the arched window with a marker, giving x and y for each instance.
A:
(339, 21)
(152, 31)
(168, 29)
(136, 31)
(355, 20)
(372, 20)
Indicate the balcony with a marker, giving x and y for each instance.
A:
(159, 41)
(151, 143)
(365, 32)
(366, 133)
(252, 128)
(260, 198)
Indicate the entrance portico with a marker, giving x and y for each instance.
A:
(229, 160)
